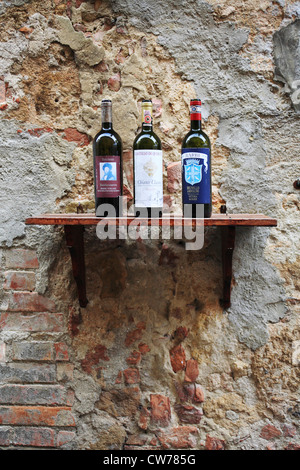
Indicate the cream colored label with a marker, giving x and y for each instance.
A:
(148, 178)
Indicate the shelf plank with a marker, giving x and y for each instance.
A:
(74, 230)
(214, 220)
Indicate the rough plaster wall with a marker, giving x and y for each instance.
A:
(58, 60)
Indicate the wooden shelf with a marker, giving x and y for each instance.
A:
(74, 232)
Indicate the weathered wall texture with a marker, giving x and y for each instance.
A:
(153, 361)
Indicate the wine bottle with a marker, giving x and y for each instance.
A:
(148, 168)
(108, 167)
(196, 167)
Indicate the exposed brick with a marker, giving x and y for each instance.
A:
(64, 437)
(269, 432)
(34, 395)
(19, 280)
(174, 176)
(292, 446)
(289, 430)
(50, 322)
(199, 394)
(144, 418)
(134, 335)
(177, 357)
(134, 358)
(27, 373)
(36, 416)
(61, 352)
(29, 302)
(33, 437)
(21, 258)
(160, 410)
(181, 333)
(131, 376)
(5, 436)
(33, 351)
(191, 371)
(182, 437)
(93, 357)
(143, 348)
(189, 414)
(212, 443)
(114, 82)
(73, 135)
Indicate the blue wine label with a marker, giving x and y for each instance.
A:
(196, 176)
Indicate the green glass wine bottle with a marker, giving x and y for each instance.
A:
(147, 168)
(108, 167)
(196, 167)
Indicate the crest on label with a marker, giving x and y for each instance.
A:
(193, 173)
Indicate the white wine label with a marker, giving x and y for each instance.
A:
(148, 173)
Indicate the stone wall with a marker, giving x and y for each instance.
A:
(153, 361)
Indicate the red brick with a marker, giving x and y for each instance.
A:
(174, 176)
(73, 135)
(144, 348)
(189, 414)
(35, 395)
(182, 437)
(131, 376)
(36, 416)
(50, 322)
(212, 443)
(134, 358)
(134, 335)
(21, 258)
(29, 302)
(33, 437)
(292, 446)
(181, 333)
(289, 430)
(144, 418)
(199, 394)
(114, 82)
(61, 352)
(269, 432)
(32, 351)
(93, 357)
(18, 280)
(191, 371)
(160, 410)
(177, 357)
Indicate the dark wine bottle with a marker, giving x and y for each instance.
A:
(196, 167)
(108, 167)
(148, 168)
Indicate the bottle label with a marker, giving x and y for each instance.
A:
(196, 176)
(147, 117)
(148, 176)
(108, 181)
(195, 112)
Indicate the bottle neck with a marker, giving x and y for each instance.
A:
(196, 124)
(147, 122)
(147, 127)
(106, 116)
